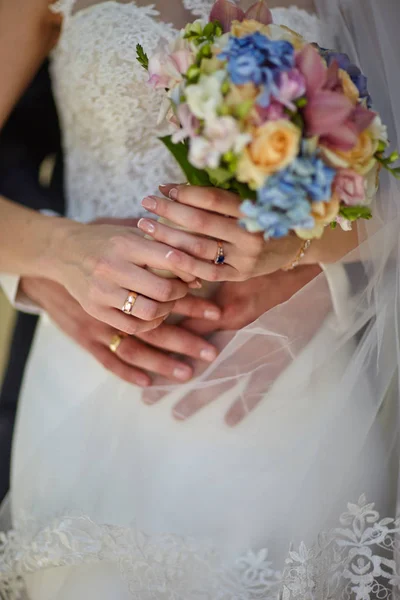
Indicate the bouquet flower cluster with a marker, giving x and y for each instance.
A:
(285, 124)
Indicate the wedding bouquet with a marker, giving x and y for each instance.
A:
(285, 124)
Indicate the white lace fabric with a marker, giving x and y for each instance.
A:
(348, 562)
(108, 113)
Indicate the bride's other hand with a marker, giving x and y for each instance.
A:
(133, 356)
(102, 264)
(212, 214)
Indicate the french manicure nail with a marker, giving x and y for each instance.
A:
(173, 194)
(149, 203)
(212, 315)
(146, 226)
(183, 373)
(209, 354)
(173, 257)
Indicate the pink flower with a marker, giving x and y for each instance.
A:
(226, 12)
(274, 112)
(330, 114)
(292, 86)
(188, 122)
(166, 70)
(326, 111)
(313, 69)
(260, 12)
(350, 187)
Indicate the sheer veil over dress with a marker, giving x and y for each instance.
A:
(113, 498)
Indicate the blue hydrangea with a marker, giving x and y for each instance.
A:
(285, 201)
(257, 59)
(357, 77)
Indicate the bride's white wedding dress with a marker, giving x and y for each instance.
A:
(115, 499)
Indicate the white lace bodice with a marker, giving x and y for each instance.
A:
(109, 113)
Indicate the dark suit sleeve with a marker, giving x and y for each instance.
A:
(31, 134)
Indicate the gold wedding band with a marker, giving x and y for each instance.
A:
(116, 342)
(129, 303)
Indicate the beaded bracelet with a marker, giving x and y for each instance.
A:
(299, 256)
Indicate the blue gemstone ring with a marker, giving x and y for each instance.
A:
(220, 257)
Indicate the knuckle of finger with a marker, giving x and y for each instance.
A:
(214, 274)
(165, 290)
(199, 221)
(107, 361)
(257, 244)
(130, 327)
(199, 248)
(149, 311)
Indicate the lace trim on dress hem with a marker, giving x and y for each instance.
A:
(352, 561)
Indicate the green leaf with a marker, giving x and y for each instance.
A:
(209, 29)
(142, 57)
(180, 152)
(353, 213)
(220, 177)
(243, 190)
(243, 109)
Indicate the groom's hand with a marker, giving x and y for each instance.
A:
(244, 302)
(134, 357)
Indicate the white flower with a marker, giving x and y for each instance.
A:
(205, 97)
(345, 224)
(378, 130)
(224, 134)
(202, 154)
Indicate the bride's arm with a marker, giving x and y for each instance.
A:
(28, 31)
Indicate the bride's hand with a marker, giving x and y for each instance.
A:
(212, 214)
(101, 264)
(134, 357)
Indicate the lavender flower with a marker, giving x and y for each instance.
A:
(357, 77)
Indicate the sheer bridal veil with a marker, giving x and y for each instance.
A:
(296, 422)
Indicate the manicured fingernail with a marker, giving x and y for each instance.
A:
(173, 194)
(143, 382)
(150, 203)
(147, 226)
(183, 373)
(212, 314)
(209, 354)
(196, 285)
(164, 185)
(173, 257)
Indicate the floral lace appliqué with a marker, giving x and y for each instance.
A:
(353, 561)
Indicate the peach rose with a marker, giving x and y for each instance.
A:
(323, 213)
(350, 90)
(247, 27)
(360, 158)
(275, 145)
